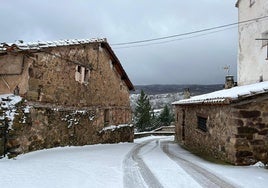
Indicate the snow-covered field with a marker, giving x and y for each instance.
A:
(149, 162)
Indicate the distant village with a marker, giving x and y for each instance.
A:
(76, 92)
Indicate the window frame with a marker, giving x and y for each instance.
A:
(264, 35)
(82, 74)
(202, 123)
(106, 116)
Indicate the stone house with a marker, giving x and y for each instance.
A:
(232, 124)
(73, 90)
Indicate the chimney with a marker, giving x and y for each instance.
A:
(186, 93)
(229, 82)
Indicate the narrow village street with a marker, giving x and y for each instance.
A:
(172, 168)
(94, 95)
(148, 162)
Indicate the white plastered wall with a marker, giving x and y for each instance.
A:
(252, 63)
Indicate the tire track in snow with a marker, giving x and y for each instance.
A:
(201, 175)
(136, 172)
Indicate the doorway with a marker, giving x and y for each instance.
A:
(183, 126)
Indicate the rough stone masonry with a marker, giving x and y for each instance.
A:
(72, 91)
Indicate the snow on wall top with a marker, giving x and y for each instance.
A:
(8, 103)
(42, 44)
(225, 96)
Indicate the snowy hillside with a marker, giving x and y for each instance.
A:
(157, 101)
(160, 95)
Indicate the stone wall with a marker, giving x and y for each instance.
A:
(251, 141)
(45, 127)
(14, 72)
(73, 92)
(216, 141)
(236, 133)
(52, 78)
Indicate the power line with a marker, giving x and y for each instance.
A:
(168, 41)
(189, 33)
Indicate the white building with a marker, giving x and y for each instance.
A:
(252, 54)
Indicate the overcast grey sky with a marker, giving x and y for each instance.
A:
(198, 60)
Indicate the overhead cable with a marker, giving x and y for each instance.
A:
(189, 33)
(173, 40)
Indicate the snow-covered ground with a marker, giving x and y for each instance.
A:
(149, 162)
(157, 101)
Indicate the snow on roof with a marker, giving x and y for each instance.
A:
(225, 96)
(46, 44)
(20, 46)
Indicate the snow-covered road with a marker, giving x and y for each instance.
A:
(149, 162)
(171, 169)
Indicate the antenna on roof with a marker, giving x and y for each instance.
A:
(227, 69)
(229, 79)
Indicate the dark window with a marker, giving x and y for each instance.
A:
(264, 36)
(31, 72)
(86, 75)
(79, 69)
(106, 117)
(202, 123)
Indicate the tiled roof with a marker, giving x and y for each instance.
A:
(36, 46)
(227, 96)
(45, 44)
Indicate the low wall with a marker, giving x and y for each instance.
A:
(35, 128)
(236, 133)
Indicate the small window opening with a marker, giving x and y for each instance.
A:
(261, 78)
(202, 123)
(86, 75)
(106, 117)
(79, 69)
(82, 74)
(31, 72)
(264, 37)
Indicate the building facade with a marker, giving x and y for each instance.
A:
(74, 89)
(252, 53)
(230, 125)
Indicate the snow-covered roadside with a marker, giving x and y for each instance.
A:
(69, 167)
(170, 174)
(243, 176)
(165, 170)
(102, 166)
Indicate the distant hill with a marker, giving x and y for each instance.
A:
(160, 95)
(163, 89)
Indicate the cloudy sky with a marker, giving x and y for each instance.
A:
(190, 59)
